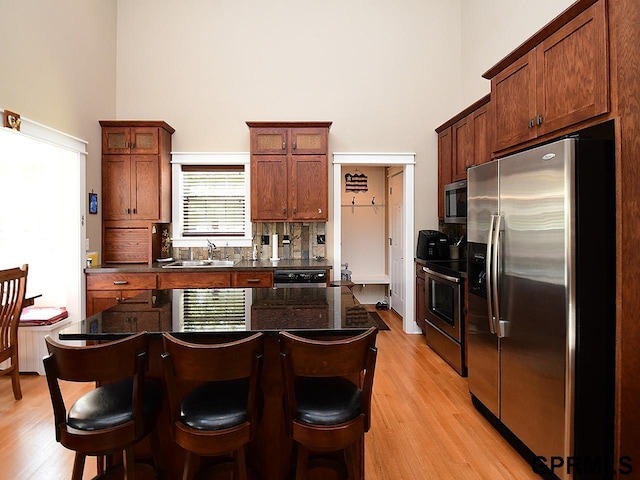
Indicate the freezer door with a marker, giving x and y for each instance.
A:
(482, 200)
(483, 360)
(535, 193)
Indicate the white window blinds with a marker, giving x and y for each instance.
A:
(214, 310)
(213, 200)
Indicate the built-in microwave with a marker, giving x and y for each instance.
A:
(455, 202)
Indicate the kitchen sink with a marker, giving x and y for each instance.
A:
(200, 264)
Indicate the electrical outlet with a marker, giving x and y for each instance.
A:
(264, 239)
(320, 239)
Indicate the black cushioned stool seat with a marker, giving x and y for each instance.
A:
(327, 401)
(216, 405)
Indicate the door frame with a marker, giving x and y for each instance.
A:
(407, 162)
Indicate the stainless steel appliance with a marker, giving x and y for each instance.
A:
(300, 278)
(444, 298)
(455, 202)
(541, 305)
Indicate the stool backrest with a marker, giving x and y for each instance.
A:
(352, 357)
(106, 362)
(213, 362)
(13, 285)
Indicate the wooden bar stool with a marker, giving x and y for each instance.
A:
(328, 387)
(13, 284)
(114, 416)
(213, 392)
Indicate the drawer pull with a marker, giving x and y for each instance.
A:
(253, 280)
(120, 282)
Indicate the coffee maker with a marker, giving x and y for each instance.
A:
(432, 245)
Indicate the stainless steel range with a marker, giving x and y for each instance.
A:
(444, 291)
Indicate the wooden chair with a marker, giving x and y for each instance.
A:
(328, 386)
(13, 284)
(114, 416)
(213, 398)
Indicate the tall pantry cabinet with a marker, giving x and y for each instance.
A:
(136, 188)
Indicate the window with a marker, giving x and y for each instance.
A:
(42, 191)
(211, 199)
(222, 309)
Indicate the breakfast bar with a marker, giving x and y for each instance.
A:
(218, 315)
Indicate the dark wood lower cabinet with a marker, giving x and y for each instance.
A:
(421, 307)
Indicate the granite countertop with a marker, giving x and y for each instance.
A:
(269, 310)
(286, 264)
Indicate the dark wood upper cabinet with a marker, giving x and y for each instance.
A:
(289, 171)
(559, 82)
(462, 142)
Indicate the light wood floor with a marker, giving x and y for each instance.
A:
(424, 426)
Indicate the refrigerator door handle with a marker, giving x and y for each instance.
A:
(494, 278)
(492, 327)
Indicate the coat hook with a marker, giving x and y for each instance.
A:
(373, 201)
(353, 200)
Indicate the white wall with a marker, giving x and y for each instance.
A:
(493, 29)
(386, 73)
(383, 72)
(57, 65)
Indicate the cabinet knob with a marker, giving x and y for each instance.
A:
(284, 210)
(319, 210)
(284, 146)
(538, 120)
(295, 209)
(295, 145)
(531, 123)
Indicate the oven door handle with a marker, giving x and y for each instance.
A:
(441, 275)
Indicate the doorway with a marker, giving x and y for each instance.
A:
(404, 165)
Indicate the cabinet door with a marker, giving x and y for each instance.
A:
(481, 150)
(513, 103)
(116, 140)
(269, 188)
(462, 147)
(125, 244)
(145, 187)
(252, 279)
(194, 280)
(421, 308)
(144, 140)
(445, 158)
(116, 187)
(572, 72)
(268, 141)
(309, 141)
(309, 188)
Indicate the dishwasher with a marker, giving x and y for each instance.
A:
(300, 278)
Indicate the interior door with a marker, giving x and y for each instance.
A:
(396, 247)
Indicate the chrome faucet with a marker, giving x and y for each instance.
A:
(211, 247)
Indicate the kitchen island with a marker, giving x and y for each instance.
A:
(216, 315)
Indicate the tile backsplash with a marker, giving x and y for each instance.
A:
(306, 241)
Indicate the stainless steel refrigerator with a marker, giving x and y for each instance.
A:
(541, 306)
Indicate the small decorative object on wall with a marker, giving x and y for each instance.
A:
(11, 120)
(356, 182)
(93, 202)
